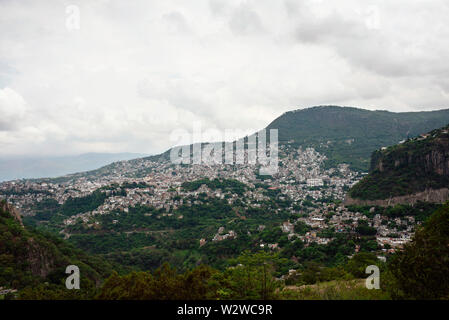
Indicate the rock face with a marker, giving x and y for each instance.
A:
(416, 170)
(4, 206)
(40, 260)
(433, 160)
(429, 195)
(38, 254)
(30, 256)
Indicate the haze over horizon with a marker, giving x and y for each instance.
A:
(134, 72)
(28, 167)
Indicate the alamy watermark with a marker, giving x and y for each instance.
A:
(257, 149)
(72, 21)
(373, 281)
(72, 281)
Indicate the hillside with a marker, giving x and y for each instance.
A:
(421, 270)
(29, 258)
(344, 134)
(414, 166)
(350, 135)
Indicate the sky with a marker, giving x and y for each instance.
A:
(121, 76)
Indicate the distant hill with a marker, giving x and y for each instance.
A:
(344, 134)
(350, 135)
(408, 168)
(40, 167)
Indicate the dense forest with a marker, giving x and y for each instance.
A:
(420, 271)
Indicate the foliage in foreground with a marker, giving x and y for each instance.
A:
(421, 270)
(29, 258)
(250, 278)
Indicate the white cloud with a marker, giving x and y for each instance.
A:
(135, 71)
(12, 109)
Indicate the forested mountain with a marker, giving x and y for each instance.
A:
(344, 134)
(350, 135)
(414, 166)
(145, 214)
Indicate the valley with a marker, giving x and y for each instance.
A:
(140, 214)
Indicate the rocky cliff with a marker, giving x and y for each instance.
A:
(4, 206)
(28, 256)
(415, 170)
(429, 195)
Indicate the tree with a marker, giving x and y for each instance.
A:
(421, 270)
(357, 265)
(250, 278)
(164, 284)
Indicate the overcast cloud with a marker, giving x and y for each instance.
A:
(137, 70)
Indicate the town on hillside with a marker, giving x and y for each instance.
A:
(313, 195)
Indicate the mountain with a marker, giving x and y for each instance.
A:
(350, 135)
(417, 169)
(29, 258)
(343, 134)
(38, 167)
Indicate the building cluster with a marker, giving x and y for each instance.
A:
(391, 233)
(301, 176)
(220, 235)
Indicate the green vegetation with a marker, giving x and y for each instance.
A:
(420, 210)
(349, 135)
(321, 271)
(421, 271)
(103, 243)
(168, 253)
(164, 284)
(28, 258)
(250, 277)
(334, 290)
(365, 230)
(134, 185)
(90, 202)
(226, 185)
(407, 168)
(150, 237)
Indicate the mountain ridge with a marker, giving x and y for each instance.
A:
(344, 134)
(349, 134)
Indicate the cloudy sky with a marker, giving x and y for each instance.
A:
(120, 76)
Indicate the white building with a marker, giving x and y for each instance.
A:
(315, 182)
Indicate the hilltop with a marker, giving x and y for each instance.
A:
(349, 135)
(418, 167)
